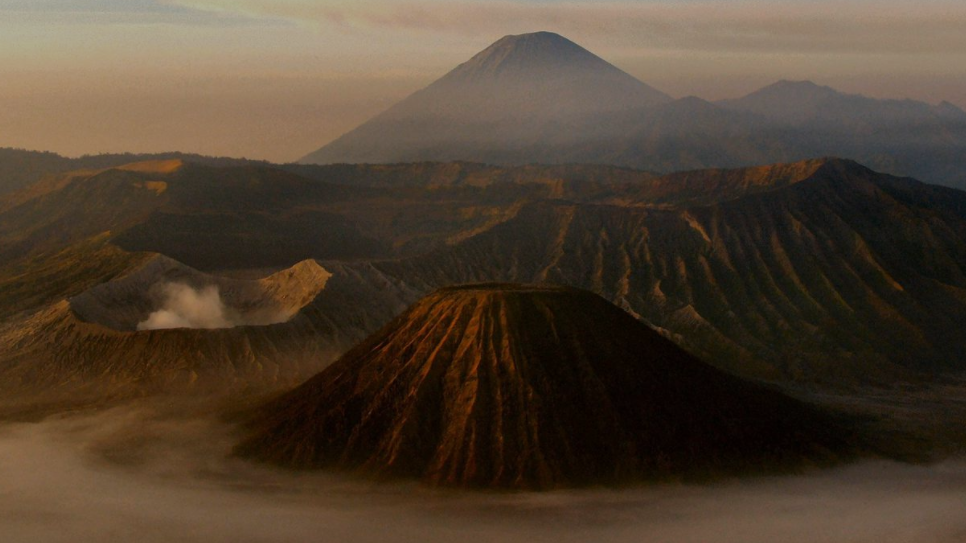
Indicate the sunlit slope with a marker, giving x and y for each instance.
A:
(519, 386)
(845, 274)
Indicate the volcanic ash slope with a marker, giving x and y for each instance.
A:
(511, 386)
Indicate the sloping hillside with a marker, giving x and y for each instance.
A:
(519, 386)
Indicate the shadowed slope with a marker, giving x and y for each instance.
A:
(837, 275)
(532, 386)
(257, 217)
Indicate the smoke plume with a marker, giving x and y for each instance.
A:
(187, 307)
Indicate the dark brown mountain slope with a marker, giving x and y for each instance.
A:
(517, 386)
(261, 335)
(68, 208)
(818, 271)
(841, 276)
(48, 277)
(257, 217)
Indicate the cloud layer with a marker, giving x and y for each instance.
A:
(890, 26)
(144, 475)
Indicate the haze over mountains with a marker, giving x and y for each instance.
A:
(538, 273)
(540, 98)
(821, 271)
(822, 277)
(125, 275)
(517, 93)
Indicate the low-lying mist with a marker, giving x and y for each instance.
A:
(147, 474)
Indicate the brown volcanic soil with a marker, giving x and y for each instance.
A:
(88, 345)
(515, 386)
(838, 275)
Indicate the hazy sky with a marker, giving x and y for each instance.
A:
(276, 79)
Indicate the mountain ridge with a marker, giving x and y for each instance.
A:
(818, 272)
(556, 103)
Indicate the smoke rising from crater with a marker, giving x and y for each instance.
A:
(186, 307)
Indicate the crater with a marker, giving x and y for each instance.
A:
(163, 293)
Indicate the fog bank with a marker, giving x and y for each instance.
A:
(142, 475)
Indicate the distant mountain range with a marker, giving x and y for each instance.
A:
(540, 98)
(821, 271)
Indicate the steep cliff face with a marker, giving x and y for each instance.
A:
(532, 387)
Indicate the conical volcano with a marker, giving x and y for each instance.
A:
(511, 386)
(550, 61)
(521, 91)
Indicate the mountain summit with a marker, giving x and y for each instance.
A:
(543, 56)
(542, 99)
(519, 92)
(532, 386)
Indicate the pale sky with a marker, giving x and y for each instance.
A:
(276, 79)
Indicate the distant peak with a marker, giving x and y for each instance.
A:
(536, 47)
(797, 83)
(694, 101)
(543, 35)
(801, 86)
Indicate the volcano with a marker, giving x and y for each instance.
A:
(520, 91)
(542, 99)
(533, 386)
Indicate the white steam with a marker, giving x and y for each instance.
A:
(187, 307)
